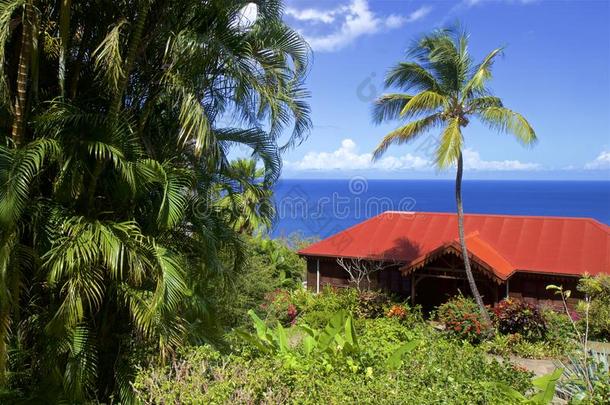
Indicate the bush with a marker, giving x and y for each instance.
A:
(270, 266)
(280, 260)
(598, 289)
(278, 307)
(586, 382)
(462, 319)
(436, 371)
(515, 316)
(314, 309)
(372, 304)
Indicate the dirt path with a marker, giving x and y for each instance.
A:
(537, 366)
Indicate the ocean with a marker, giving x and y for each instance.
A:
(320, 208)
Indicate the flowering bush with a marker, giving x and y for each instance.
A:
(278, 306)
(462, 318)
(397, 311)
(516, 316)
(372, 304)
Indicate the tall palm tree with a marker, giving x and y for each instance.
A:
(444, 89)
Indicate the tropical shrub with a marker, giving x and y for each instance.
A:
(278, 306)
(517, 316)
(462, 319)
(598, 290)
(586, 381)
(543, 392)
(372, 304)
(256, 282)
(280, 259)
(314, 309)
(435, 371)
(517, 345)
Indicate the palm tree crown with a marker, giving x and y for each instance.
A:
(444, 89)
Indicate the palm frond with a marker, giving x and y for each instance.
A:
(450, 145)
(388, 106)
(424, 102)
(481, 74)
(263, 147)
(411, 77)
(480, 103)
(407, 133)
(504, 120)
(108, 58)
(7, 10)
(18, 169)
(175, 184)
(194, 123)
(81, 368)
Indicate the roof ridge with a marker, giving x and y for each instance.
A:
(479, 214)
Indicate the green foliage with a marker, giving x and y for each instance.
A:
(544, 390)
(269, 271)
(552, 347)
(314, 309)
(461, 318)
(587, 381)
(598, 290)
(282, 261)
(372, 304)
(123, 221)
(336, 345)
(559, 339)
(516, 316)
(385, 369)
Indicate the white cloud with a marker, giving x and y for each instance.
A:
(313, 15)
(473, 161)
(348, 158)
(353, 21)
(602, 161)
(419, 13)
(395, 21)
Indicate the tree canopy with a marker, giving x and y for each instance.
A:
(117, 119)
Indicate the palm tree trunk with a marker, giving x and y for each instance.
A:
(460, 215)
(22, 74)
(64, 37)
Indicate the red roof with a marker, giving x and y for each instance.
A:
(503, 243)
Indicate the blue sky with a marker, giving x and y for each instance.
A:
(555, 71)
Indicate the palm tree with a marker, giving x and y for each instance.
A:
(110, 228)
(247, 198)
(444, 89)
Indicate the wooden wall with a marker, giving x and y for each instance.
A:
(526, 286)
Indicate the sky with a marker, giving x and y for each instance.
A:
(555, 70)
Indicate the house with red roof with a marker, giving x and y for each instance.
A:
(420, 255)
